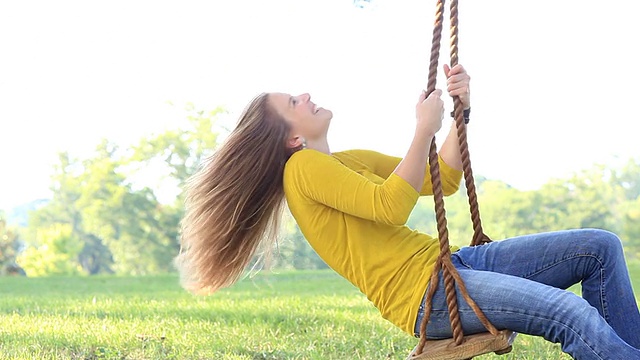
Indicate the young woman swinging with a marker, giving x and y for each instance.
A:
(352, 207)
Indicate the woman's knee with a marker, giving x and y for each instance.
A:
(605, 242)
(602, 243)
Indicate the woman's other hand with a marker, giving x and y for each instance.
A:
(458, 84)
(429, 113)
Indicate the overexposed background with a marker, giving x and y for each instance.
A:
(554, 83)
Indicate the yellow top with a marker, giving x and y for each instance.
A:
(352, 209)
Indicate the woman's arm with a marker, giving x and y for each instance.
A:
(384, 165)
(429, 113)
(314, 177)
(450, 150)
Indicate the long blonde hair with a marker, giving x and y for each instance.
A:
(235, 201)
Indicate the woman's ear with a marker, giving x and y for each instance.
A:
(295, 142)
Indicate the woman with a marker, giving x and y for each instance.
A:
(352, 207)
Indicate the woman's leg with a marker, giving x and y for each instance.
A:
(561, 259)
(529, 307)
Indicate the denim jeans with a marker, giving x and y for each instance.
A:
(519, 284)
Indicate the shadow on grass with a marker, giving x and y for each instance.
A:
(53, 346)
(264, 355)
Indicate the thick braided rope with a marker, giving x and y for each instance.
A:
(479, 236)
(450, 274)
(438, 196)
(435, 47)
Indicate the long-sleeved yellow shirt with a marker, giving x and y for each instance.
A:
(352, 210)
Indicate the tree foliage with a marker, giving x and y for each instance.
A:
(110, 203)
(9, 247)
(56, 254)
(599, 197)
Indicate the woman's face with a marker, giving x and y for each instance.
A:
(307, 121)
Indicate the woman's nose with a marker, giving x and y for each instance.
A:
(305, 97)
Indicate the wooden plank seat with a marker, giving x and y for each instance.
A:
(472, 345)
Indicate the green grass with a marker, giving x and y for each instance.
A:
(291, 315)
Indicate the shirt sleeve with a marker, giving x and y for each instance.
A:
(323, 179)
(384, 165)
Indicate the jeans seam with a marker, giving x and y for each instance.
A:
(465, 264)
(603, 298)
(564, 259)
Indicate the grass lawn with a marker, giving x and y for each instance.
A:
(290, 315)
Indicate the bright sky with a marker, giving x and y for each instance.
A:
(554, 83)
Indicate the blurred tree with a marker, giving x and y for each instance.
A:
(74, 185)
(127, 221)
(591, 198)
(9, 246)
(175, 155)
(56, 253)
(629, 179)
(181, 151)
(630, 234)
(111, 206)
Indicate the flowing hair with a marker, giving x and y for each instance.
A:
(234, 202)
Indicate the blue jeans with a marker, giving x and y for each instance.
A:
(519, 284)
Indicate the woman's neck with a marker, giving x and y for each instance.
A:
(321, 145)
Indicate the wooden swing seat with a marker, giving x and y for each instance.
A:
(472, 345)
